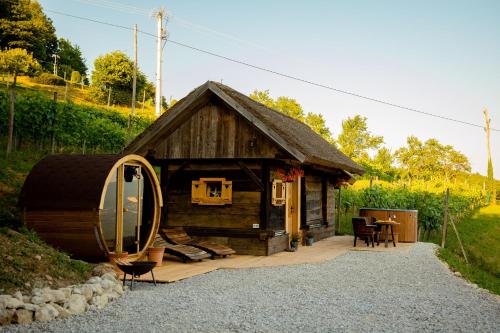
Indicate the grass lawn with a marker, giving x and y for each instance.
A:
(480, 236)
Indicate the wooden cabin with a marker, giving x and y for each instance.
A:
(92, 206)
(237, 172)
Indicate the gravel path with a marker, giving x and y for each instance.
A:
(357, 292)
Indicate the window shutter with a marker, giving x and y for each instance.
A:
(198, 189)
(227, 191)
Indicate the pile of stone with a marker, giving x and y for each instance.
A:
(47, 304)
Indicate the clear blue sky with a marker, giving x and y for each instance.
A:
(442, 57)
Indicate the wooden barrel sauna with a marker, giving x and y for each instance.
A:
(93, 205)
(408, 219)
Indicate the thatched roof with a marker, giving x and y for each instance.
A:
(295, 137)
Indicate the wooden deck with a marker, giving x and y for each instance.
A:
(327, 249)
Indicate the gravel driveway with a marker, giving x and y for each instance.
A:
(356, 292)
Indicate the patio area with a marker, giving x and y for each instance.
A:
(324, 250)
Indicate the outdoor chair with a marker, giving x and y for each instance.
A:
(363, 231)
(177, 235)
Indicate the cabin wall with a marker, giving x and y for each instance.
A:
(243, 213)
(318, 205)
(215, 131)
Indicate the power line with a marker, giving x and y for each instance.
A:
(346, 92)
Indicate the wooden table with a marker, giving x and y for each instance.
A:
(388, 224)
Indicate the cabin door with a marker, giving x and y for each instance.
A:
(292, 207)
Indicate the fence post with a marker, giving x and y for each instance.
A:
(445, 222)
(459, 240)
(339, 210)
(53, 145)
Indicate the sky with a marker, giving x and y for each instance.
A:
(441, 57)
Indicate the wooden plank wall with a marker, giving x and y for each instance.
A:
(313, 206)
(214, 131)
(330, 204)
(242, 213)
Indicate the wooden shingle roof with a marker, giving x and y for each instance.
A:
(292, 135)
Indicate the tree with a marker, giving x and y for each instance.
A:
(431, 160)
(70, 57)
(318, 125)
(262, 96)
(356, 141)
(24, 25)
(382, 163)
(292, 108)
(115, 70)
(15, 62)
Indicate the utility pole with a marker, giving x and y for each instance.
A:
(159, 41)
(491, 179)
(55, 56)
(134, 81)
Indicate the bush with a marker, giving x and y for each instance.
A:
(50, 79)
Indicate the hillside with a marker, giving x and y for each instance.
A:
(480, 236)
(79, 95)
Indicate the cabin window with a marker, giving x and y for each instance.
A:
(212, 191)
(279, 191)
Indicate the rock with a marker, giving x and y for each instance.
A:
(46, 313)
(47, 295)
(22, 316)
(58, 296)
(38, 257)
(37, 292)
(26, 298)
(19, 296)
(38, 300)
(9, 302)
(97, 289)
(111, 276)
(76, 290)
(87, 291)
(94, 279)
(48, 277)
(66, 291)
(118, 288)
(30, 307)
(102, 269)
(76, 304)
(457, 273)
(111, 295)
(100, 301)
(63, 313)
(6, 316)
(106, 284)
(27, 285)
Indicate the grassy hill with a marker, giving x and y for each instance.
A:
(480, 236)
(80, 95)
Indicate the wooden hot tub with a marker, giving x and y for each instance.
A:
(92, 205)
(408, 220)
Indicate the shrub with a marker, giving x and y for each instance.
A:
(50, 79)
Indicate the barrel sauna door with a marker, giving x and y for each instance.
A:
(127, 217)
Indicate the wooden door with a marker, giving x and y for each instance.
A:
(292, 207)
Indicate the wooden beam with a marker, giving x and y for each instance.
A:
(164, 190)
(252, 175)
(265, 198)
(176, 172)
(324, 199)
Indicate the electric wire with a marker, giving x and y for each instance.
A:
(292, 77)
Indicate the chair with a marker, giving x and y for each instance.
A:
(183, 252)
(363, 231)
(178, 236)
